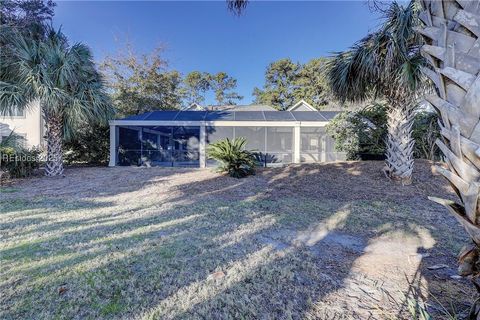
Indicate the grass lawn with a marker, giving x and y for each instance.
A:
(331, 241)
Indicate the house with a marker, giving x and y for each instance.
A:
(301, 105)
(27, 123)
(180, 138)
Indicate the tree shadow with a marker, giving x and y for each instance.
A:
(290, 241)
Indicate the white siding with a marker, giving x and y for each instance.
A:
(30, 126)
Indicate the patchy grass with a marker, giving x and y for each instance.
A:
(8, 190)
(313, 241)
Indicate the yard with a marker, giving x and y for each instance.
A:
(323, 241)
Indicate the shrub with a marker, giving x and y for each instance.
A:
(234, 159)
(425, 132)
(15, 159)
(361, 134)
(90, 144)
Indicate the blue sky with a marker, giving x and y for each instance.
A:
(203, 35)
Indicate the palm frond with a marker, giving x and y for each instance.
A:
(62, 77)
(237, 6)
(386, 62)
(233, 157)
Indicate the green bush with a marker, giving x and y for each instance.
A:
(425, 132)
(89, 145)
(362, 133)
(18, 162)
(15, 159)
(234, 159)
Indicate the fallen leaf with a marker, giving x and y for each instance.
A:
(62, 290)
(216, 275)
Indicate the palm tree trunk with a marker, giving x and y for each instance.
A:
(452, 33)
(399, 145)
(54, 163)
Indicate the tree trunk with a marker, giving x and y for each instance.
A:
(54, 163)
(452, 33)
(399, 144)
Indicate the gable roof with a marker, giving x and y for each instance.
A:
(300, 104)
(195, 107)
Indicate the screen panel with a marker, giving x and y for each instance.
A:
(279, 139)
(218, 133)
(255, 137)
(329, 115)
(162, 115)
(279, 149)
(308, 116)
(129, 138)
(312, 142)
(186, 146)
(249, 116)
(219, 116)
(278, 116)
(191, 116)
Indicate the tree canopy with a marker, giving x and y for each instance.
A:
(26, 13)
(287, 82)
(142, 82)
(222, 85)
(195, 85)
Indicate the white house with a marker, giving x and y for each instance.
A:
(28, 124)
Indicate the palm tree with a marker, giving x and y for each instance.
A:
(386, 64)
(452, 34)
(62, 78)
(237, 6)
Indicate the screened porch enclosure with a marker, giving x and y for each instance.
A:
(158, 145)
(271, 145)
(181, 138)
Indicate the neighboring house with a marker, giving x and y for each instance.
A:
(28, 124)
(180, 138)
(301, 105)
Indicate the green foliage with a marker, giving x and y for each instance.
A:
(386, 63)
(142, 83)
(363, 132)
(26, 14)
(62, 77)
(222, 84)
(425, 132)
(91, 145)
(195, 85)
(287, 82)
(234, 159)
(360, 132)
(18, 161)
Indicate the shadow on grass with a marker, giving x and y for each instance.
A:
(286, 242)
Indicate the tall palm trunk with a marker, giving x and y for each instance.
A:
(54, 163)
(399, 146)
(452, 32)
